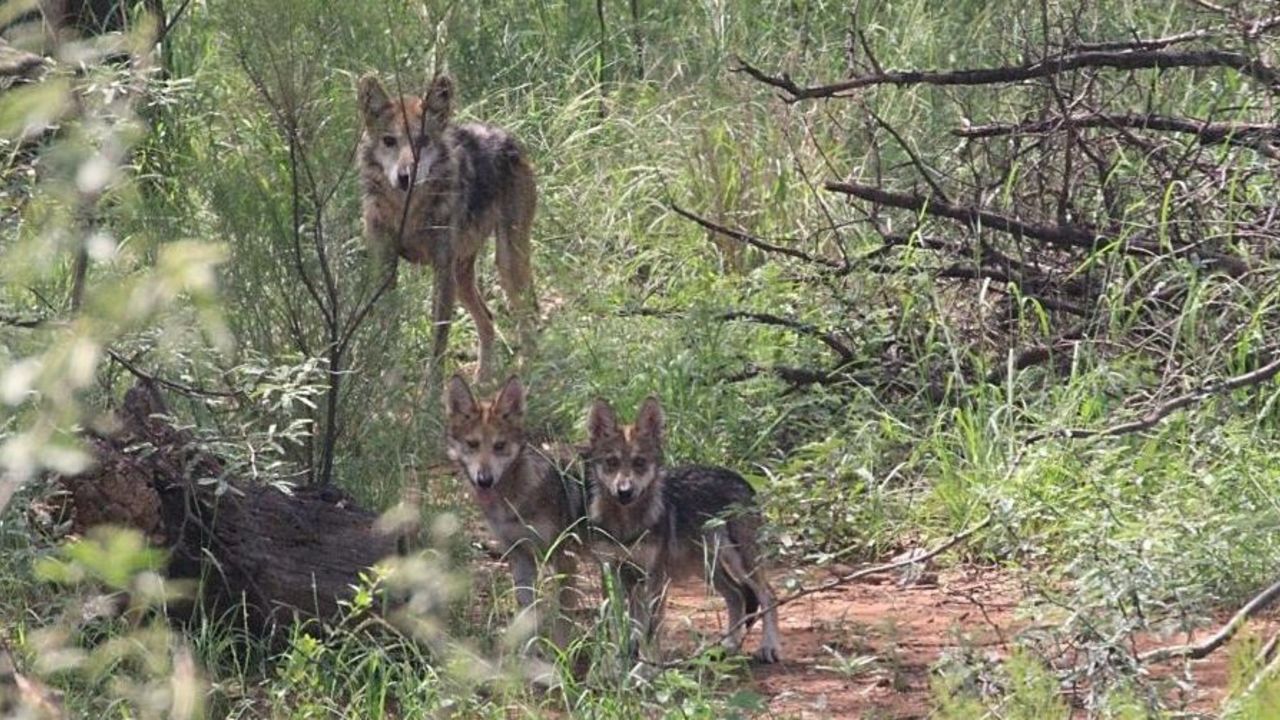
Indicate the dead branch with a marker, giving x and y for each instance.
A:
(830, 339)
(1163, 410)
(1210, 6)
(840, 581)
(21, 322)
(755, 241)
(876, 569)
(1203, 649)
(798, 377)
(181, 388)
(1147, 43)
(1065, 235)
(826, 338)
(255, 548)
(1261, 137)
(1055, 65)
(1035, 355)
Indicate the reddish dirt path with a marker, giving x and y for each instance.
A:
(866, 649)
(898, 631)
(901, 632)
(905, 630)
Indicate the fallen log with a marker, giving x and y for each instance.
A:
(284, 555)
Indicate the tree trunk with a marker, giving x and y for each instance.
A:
(285, 555)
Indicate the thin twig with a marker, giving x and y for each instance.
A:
(1203, 649)
(1163, 410)
(826, 338)
(166, 26)
(1035, 355)
(925, 171)
(838, 582)
(1066, 235)
(755, 241)
(1148, 43)
(182, 388)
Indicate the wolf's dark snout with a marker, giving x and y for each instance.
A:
(625, 495)
(402, 180)
(484, 479)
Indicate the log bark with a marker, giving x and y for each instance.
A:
(285, 555)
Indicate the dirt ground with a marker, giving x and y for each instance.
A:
(864, 649)
(905, 630)
(867, 649)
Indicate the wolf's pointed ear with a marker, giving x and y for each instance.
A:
(373, 98)
(510, 400)
(602, 421)
(439, 97)
(650, 420)
(458, 400)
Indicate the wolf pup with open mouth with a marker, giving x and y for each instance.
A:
(529, 499)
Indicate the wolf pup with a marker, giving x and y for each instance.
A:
(462, 183)
(528, 498)
(661, 523)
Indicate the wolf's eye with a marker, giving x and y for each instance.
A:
(389, 140)
(421, 141)
(499, 446)
(611, 464)
(473, 444)
(638, 464)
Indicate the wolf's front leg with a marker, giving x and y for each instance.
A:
(381, 244)
(630, 580)
(442, 302)
(524, 576)
(655, 584)
(566, 599)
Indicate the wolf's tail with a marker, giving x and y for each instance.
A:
(514, 236)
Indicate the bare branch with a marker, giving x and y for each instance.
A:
(827, 338)
(755, 241)
(1162, 42)
(1073, 236)
(798, 377)
(1035, 355)
(182, 388)
(834, 583)
(1163, 410)
(1064, 235)
(1261, 137)
(1054, 65)
(1203, 649)
(830, 339)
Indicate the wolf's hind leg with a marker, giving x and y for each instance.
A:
(464, 275)
(735, 598)
(742, 563)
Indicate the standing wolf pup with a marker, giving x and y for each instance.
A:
(528, 499)
(462, 184)
(670, 522)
